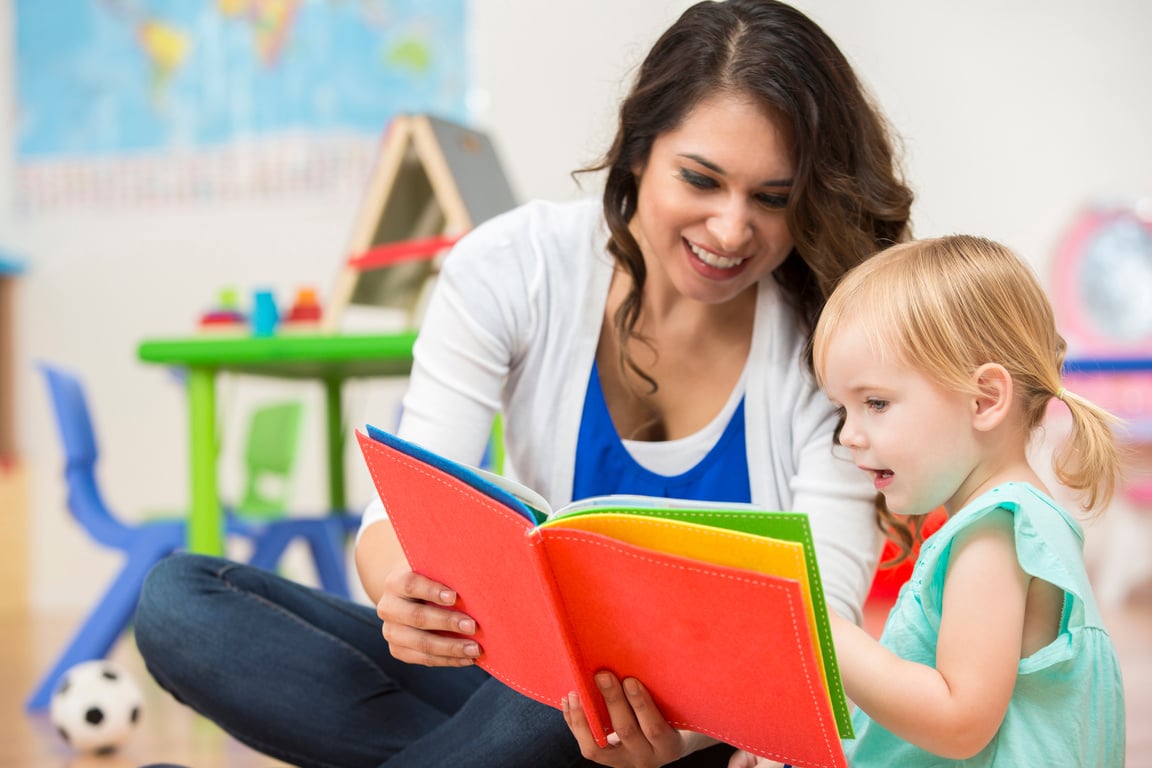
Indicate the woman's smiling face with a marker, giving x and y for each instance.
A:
(710, 216)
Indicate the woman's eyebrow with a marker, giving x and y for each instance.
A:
(717, 169)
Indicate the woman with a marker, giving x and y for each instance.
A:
(657, 343)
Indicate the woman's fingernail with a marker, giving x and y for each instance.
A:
(467, 626)
(631, 687)
(604, 680)
(447, 596)
(472, 649)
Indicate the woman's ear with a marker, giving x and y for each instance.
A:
(992, 405)
(637, 172)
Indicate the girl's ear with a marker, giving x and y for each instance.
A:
(992, 405)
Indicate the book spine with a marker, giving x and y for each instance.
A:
(590, 697)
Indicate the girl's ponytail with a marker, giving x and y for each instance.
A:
(1089, 460)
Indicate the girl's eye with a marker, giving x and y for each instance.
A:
(698, 180)
(876, 405)
(775, 202)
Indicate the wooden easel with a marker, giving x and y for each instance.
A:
(14, 512)
(434, 180)
(9, 270)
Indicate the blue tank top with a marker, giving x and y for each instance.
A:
(604, 466)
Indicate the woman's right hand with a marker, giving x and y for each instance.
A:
(415, 610)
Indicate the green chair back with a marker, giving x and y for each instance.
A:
(270, 453)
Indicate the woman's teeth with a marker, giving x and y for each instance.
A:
(713, 260)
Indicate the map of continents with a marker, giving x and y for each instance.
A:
(101, 77)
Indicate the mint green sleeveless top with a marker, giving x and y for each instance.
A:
(1067, 708)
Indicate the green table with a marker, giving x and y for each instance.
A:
(330, 359)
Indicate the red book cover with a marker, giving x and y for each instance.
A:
(724, 651)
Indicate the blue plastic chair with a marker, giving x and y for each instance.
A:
(270, 452)
(145, 543)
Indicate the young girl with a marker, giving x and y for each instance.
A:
(943, 355)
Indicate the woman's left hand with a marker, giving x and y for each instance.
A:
(642, 738)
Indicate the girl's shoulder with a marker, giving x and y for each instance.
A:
(1032, 509)
(1049, 540)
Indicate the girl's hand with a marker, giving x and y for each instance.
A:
(414, 610)
(642, 738)
(744, 759)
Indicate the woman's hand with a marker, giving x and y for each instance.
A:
(744, 759)
(414, 610)
(642, 738)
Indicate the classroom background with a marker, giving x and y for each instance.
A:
(1014, 117)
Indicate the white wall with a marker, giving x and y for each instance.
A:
(1013, 115)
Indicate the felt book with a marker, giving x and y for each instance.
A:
(716, 607)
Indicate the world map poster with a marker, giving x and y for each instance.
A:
(156, 101)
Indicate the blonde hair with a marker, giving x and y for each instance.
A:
(948, 305)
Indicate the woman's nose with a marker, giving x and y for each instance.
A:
(730, 225)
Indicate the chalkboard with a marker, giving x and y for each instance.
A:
(433, 181)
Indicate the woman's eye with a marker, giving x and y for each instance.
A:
(877, 405)
(774, 202)
(698, 180)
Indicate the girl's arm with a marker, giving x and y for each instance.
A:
(954, 709)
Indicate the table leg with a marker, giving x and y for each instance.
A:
(205, 519)
(335, 424)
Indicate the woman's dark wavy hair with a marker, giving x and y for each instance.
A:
(848, 198)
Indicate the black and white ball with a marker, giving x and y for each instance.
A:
(96, 707)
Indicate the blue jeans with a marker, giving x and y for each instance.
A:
(306, 677)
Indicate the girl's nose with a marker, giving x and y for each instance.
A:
(850, 436)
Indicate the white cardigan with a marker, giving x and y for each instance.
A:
(513, 326)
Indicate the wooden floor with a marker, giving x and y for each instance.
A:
(170, 733)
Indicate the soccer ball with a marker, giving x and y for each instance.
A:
(96, 707)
